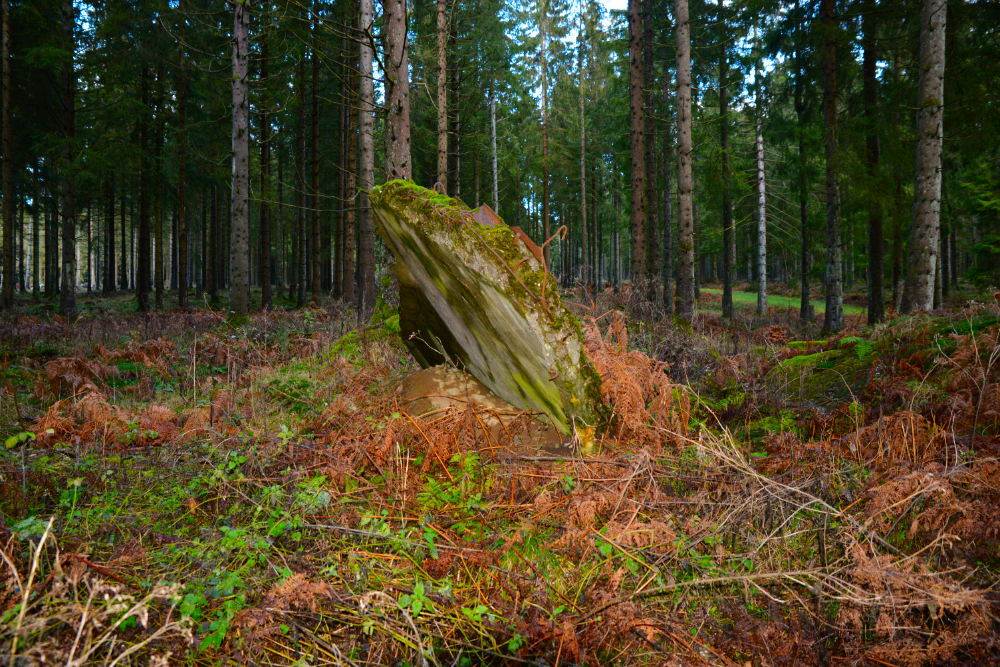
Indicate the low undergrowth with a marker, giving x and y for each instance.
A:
(255, 493)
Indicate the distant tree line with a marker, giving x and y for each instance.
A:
(180, 148)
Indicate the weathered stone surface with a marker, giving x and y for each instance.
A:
(477, 296)
(444, 387)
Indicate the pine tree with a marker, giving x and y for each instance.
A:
(239, 290)
(685, 222)
(638, 145)
(926, 228)
(834, 318)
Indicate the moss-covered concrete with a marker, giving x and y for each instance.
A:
(476, 296)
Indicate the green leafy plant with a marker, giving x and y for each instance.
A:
(415, 601)
(18, 439)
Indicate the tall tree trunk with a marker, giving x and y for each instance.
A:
(173, 248)
(52, 224)
(398, 96)
(442, 92)
(67, 293)
(265, 179)
(945, 262)
(805, 305)
(761, 207)
(455, 174)
(953, 251)
(239, 270)
(23, 252)
(728, 242)
(182, 230)
(211, 248)
(652, 276)
(21, 256)
(834, 319)
(685, 222)
(939, 277)
(543, 10)
(346, 112)
(761, 224)
(7, 299)
(876, 290)
(142, 250)
(316, 266)
(109, 237)
(668, 233)
(123, 240)
(281, 270)
(366, 172)
(583, 154)
(638, 145)
(493, 147)
(927, 186)
(36, 215)
(159, 238)
(298, 250)
(90, 247)
(350, 235)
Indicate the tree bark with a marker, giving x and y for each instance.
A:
(182, 231)
(761, 224)
(265, 178)
(652, 275)
(90, 247)
(22, 251)
(493, 147)
(953, 252)
(53, 223)
(239, 269)
(7, 299)
(315, 244)
(685, 222)
(108, 285)
(158, 261)
(36, 232)
(637, 145)
(366, 171)
(123, 240)
(67, 293)
(728, 245)
(142, 251)
(876, 290)
(298, 250)
(834, 318)
(668, 197)
(210, 245)
(761, 203)
(927, 186)
(546, 231)
(442, 92)
(350, 235)
(585, 273)
(939, 277)
(398, 94)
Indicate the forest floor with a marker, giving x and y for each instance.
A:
(180, 487)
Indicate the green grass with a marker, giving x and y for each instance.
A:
(750, 299)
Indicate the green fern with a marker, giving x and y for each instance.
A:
(862, 346)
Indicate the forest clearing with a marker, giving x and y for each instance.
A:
(259, 493)
(452, 332)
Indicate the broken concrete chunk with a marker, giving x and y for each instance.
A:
(475, 295)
